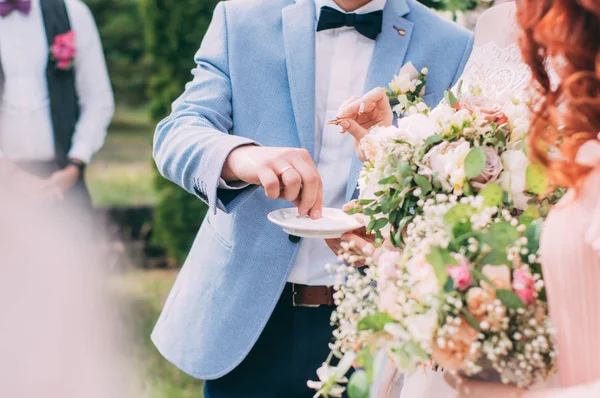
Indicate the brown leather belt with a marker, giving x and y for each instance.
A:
(308, 296)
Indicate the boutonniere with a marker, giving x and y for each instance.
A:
(63, 50)
(407, 89)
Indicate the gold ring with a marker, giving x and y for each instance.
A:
(286, 168)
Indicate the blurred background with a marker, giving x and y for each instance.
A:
(149, 47)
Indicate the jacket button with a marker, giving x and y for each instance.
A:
(294, 239)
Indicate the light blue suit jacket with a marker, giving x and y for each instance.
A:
(255, 83)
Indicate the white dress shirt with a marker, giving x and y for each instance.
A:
(342, 59)
(25, 122)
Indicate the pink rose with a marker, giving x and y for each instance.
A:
(388, 264)
(461, 274)
(491, 111)
(63, 50)
(523, 284)
(491, 171)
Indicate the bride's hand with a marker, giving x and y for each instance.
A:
(359, 114)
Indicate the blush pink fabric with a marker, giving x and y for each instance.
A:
(570, 249)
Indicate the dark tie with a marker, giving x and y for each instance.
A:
(24, 6)
(368, 25)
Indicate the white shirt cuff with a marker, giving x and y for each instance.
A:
(232, 186)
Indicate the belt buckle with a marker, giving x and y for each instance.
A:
(294, 304)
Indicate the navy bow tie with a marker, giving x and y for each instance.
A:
(368, 25)
(7, 7)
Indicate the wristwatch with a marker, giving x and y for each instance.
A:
(77, 163)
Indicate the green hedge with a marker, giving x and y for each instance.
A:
(122, 32)
(174, 30)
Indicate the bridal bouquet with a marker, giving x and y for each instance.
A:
(458, 148)
(455, 281)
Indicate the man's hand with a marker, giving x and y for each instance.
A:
(63, 180)
(359, 114)
(285, 173)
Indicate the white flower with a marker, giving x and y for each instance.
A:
(423, 273)
(415, 129)
(371, 143)
(441, 114)
(330, 377)
(514, 179)
(448, 160)
(404, 80)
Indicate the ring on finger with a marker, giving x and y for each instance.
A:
(286, 168)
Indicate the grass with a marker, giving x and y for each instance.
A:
(142, 294)
(121, 174)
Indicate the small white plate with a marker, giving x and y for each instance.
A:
(333, 224)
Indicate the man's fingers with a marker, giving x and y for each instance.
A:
(292, 183)
(356, 130)
(317, 210)
(270, 182)
(311, 182)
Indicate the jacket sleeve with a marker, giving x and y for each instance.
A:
(193, 142)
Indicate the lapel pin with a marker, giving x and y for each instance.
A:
(400, 31)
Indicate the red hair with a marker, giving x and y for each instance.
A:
(562, 36)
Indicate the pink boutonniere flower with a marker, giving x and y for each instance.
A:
(63, 50)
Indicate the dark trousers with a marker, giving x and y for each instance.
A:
(292, 347)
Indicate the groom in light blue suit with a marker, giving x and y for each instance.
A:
(250, 309)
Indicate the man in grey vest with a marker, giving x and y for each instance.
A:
(56, 100)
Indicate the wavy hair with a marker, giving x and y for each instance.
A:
(561, 45)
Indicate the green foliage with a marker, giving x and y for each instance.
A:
(451, 5)
(375, 322)
(174, 30)
(122, 33)
(358, 386)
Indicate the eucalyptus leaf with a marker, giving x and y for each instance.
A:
(415, 350)
(375, 322)
(388, 180)
(450, 98)
(531, 214)
(537, 179)
(501, 235)
(495, 257)
(433, 139)
(379, 223)
(358, 386)
(532, 233)
(364, 202)
(475, 162)
(470, 319)
(509, 299)
(404, 168)
(365, 359)
(439, 259)
(461, 212)
(423, 183)
(492, 194)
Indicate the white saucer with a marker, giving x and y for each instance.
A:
(333, 224)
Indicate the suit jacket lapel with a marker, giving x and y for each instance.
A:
(299, 41)
(388, 57)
